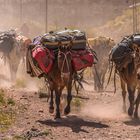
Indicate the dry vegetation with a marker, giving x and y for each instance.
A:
(7, 111)
(120, 26)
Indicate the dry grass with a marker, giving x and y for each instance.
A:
(118, 27)
(7, 114)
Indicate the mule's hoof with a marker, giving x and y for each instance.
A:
(124, 109)
(67, 110)
(130, 111)
(57, 116)
(51, 110)
(57, 120)
(136, 116)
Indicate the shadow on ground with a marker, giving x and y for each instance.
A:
(73, 122)
(133, 122)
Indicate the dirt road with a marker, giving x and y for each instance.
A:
(98, 116)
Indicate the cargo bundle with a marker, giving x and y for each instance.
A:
(45, 49)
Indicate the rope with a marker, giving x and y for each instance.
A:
(65, 60)
(64, 42)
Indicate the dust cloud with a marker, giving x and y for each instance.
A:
(4, 74)
(31, 84)
(107, 111)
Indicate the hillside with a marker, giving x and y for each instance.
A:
(120, 26)
(84, 14)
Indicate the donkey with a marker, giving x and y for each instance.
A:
(60, 76)
(13, 48)
(126, 57)
(102, 46)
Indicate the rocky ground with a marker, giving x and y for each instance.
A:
(94, 116)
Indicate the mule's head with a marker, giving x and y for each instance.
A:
(64, 61)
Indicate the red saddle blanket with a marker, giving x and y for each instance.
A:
(44, 58)
(82, 59)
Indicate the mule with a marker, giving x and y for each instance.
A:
(60, 76)
(13, 48)
(125, 55)
(102, 46)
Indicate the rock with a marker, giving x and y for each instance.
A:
(41, 111)
(26, 117)
(34, 129)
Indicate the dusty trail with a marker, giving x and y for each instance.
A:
(99, 117)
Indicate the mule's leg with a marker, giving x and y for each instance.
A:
(99, 82)
(104, 71)
(51, 107)
(137, 102)
(57, 101)
(131, 92)
(13, 71)
(14, 61)
(69, 98)
(123, 87)
(102, 81)
(95, 81)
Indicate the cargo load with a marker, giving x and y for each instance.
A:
(46, 47)
(7, 40)
(53, 40)
(136, 39)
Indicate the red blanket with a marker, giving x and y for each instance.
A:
(82, 59)
(44, 58)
